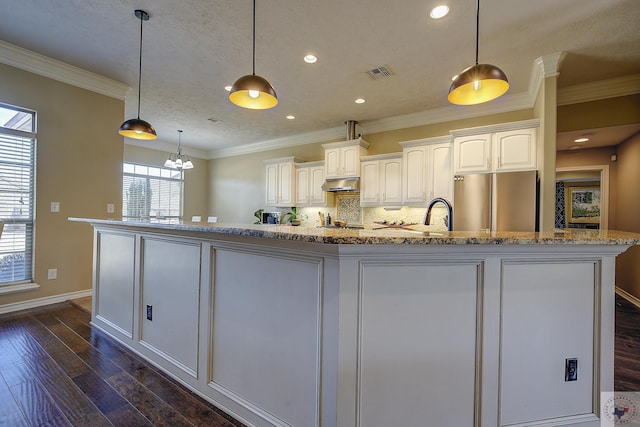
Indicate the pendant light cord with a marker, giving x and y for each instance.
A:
(140, 64)
(477, 29)
(254, 37)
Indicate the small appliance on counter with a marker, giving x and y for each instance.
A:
(271, 217)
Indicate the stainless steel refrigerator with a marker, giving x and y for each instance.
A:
(505, 201)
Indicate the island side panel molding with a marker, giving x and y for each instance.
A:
(266, 333)
(170, 299)
(418, 358)
(550, 311)
(114, 281)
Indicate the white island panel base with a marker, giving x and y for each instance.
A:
(292, 333)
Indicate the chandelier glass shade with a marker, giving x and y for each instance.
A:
(178, 160)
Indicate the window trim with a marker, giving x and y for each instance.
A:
(25, 284)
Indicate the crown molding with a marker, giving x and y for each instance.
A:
(543, 67)
(425, 141)
(32, 62)
(289, 141)
(499, 127)
(603, 89)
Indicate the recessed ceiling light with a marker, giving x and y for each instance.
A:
(291, 117)
(583, 139)
(227, 88)
(360, 101)
(310, 59)
(439, 12)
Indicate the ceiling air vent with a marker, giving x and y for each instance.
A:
(380, 73)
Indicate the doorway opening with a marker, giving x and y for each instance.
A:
(582, 197)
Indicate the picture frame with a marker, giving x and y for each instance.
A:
(583, 205)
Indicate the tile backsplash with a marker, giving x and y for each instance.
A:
(348, 209)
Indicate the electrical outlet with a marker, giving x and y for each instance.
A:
(52, 273)
(571, 369)
(149, 312)
(111, 208)
(55, 206)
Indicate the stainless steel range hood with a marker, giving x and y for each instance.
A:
(346, 184)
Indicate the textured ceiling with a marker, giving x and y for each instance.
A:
(193, 48)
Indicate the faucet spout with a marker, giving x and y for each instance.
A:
(445, 202)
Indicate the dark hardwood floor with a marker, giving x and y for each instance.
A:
(55, 370)
(627, 357)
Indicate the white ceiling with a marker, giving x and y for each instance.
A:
(193, 48)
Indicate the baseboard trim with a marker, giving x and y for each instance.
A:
(626, 295)
(38, 302)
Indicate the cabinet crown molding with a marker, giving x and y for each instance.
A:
(500, 127)
(425, 141)
(309, 164)
(285, 160)
(358, 141)
(385, 156)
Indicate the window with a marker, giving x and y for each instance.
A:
(151, 192)
(17, 164)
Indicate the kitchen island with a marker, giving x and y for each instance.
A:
(302, 326)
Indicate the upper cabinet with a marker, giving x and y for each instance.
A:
(342, 159)
(281, 182)
(515, 150)
(381, 180)
(499, 148)
(426, 170)
(309, 180)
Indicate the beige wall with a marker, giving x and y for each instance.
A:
(624, 207)
(237, 184)
(596, 114)
(628, 264)
(196, 180)
(79, 161)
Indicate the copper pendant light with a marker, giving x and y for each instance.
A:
(478, 83)
(251, 91)
(138, 128)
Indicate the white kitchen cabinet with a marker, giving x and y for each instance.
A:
(381, 180)
(497, 148)
(281, 182)
(472, 153)
(515, 150)
(427, 170)
(342, 159)
(309, 180)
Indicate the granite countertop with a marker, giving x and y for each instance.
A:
(419, 235)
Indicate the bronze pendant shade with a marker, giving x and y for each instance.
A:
(252, 91)
(138, 128)
(478, 83)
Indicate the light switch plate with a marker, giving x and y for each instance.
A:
(55, 206)
(52, 273)
(111, 208)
